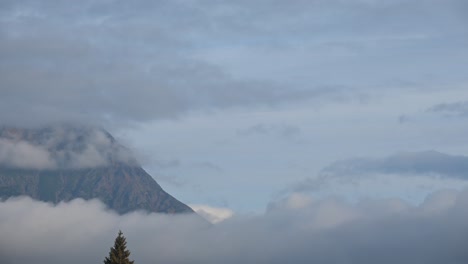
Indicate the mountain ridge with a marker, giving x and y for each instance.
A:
(78, 162)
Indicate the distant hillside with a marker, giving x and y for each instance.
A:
(62, 163)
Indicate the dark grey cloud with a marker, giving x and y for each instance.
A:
(459, 109)
(207, 165)
(281, 130)
(295, 230)
(117, 62)
(411, 163)
(431, 164)
(176, 163)
(403, 119)
(121, 62)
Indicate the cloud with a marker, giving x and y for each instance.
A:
(325, 231)
(421, 170)
(60, 146)
(459, 109)
(171, 179)
(127, 63)
(207, 165)
(280, 130)
(213, 214)
(166, 164)
(406, 163)
(106, 63)
(22, 154)
(403, 119)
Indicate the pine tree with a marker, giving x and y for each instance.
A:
(119, 253)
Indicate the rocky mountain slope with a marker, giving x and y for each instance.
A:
(63, 162)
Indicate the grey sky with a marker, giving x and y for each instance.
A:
(119, 62)
(220, 96)
(261, 108)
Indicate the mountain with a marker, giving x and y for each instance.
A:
(64, 162)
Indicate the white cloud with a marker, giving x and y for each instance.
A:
(24, 155)
(60, 146)
(319, 231)
(213, 214)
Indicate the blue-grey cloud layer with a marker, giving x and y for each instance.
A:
(121, 62)
(117, 62)
(429, 165)
(459, 109)
(409, 163)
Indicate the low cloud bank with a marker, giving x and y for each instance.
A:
(298, 229)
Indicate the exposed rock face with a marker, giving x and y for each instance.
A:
(61, 163)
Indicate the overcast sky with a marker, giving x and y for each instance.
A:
(236, 104)
(329, 131)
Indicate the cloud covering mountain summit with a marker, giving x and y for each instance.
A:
(60, 147)
(64, 162)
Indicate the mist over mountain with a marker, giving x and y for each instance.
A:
(64, 162)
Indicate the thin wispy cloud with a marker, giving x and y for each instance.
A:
(459, 109)
(430, 163)
(280, 130)
(426, 168)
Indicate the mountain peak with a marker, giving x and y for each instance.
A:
(63, 162)
(61, 147)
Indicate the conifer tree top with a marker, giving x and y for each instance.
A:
(119, 254)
